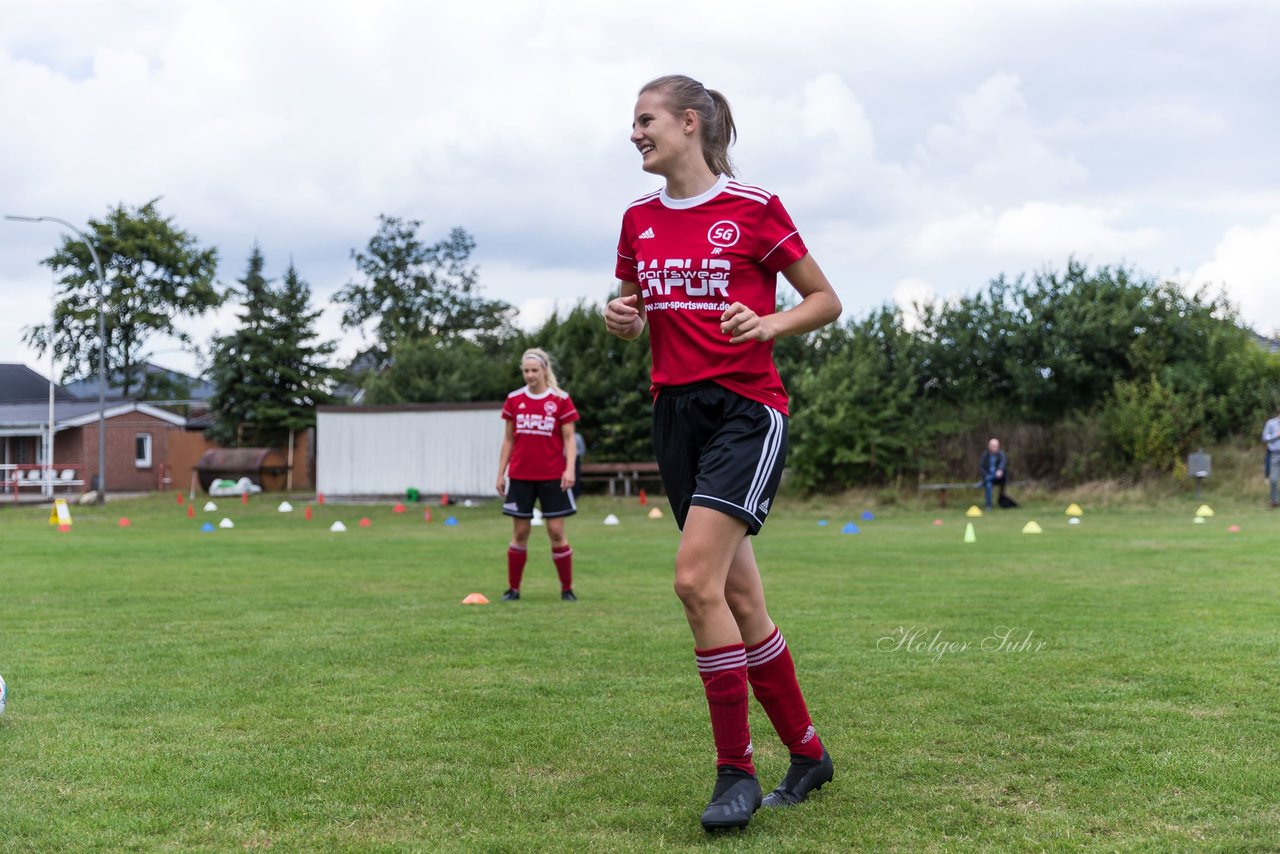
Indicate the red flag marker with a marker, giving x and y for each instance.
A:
(191, 511)
(319, 497)
(644, 499)
(179, 497)
(426, 515)
(308, 513)
(244, 498)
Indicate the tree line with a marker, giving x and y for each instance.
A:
(1101, 372)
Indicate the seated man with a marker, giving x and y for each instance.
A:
(991, 468)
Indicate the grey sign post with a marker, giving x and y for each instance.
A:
(1199, 466)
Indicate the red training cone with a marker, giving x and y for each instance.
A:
(364, 523)
(426, 515)
(308, 513)
(319, 497)
(124, 522)
(399, 508)
(444, 500)
(244, 498)
(644, 499)
(179, 497)
(191, 511)
(64, 529)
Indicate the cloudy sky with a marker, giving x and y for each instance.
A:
(922, 148)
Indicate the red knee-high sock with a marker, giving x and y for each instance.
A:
(724, 678)
(773, 679)
(563, 559)
(516, 556)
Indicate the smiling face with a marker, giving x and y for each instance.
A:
(662, 137)
(535, 375)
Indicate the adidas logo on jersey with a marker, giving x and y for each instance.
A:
(647, 234)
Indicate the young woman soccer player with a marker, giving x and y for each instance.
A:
(698, 260)
(540, 450)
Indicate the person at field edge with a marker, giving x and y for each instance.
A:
(698, 261)
(537, 464)
(992, 466)
(1271, 436)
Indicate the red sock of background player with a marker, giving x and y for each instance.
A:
(773, 679)
(724, 678)
(563, 559)
(516, 556)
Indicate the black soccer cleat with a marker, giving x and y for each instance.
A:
(567, 596)
(735, 798)
(804, 776)
(511, 595)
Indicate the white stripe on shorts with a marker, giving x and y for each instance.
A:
(768, 458)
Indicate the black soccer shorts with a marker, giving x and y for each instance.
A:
(553, 500)
(717, 449)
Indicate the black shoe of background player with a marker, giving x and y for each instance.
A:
(511, 595)
(735, 798)
(567, 596)
(804, 776)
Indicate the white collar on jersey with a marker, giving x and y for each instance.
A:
(692, 202)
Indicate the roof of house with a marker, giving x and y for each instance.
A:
(18, 383)
(25, 419)
(87, 389)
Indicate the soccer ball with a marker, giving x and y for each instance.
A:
(4, 694)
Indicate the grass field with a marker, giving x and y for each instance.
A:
(276, 686)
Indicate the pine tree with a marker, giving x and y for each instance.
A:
(271, 372)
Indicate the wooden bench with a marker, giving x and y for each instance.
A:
(625, 474)
(942, 488)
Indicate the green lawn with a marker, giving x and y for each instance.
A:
(277, 686)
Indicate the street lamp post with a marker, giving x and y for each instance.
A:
(102, 352)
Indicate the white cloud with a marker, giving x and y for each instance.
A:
(1034, 232)
(1247, 262)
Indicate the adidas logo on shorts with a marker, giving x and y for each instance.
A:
(764, 506)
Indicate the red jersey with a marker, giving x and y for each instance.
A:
(538, 450)
(692, 259)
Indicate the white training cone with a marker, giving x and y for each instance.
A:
(209, 507)
(611, 519)
(1073, 521)
(1199, 520)
(338, 527)
(285, 507)
(226, 523)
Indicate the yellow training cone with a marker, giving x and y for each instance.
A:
(973, 512)
(1031, 528)
(475, 599)
(1074, 510)
(655, 513)
(969, 535)
(1205, 510)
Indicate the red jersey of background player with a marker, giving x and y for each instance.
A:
(692, 259)
(538, 450)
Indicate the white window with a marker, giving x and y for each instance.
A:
(142, 450)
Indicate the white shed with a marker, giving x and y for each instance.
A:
(432, 447)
